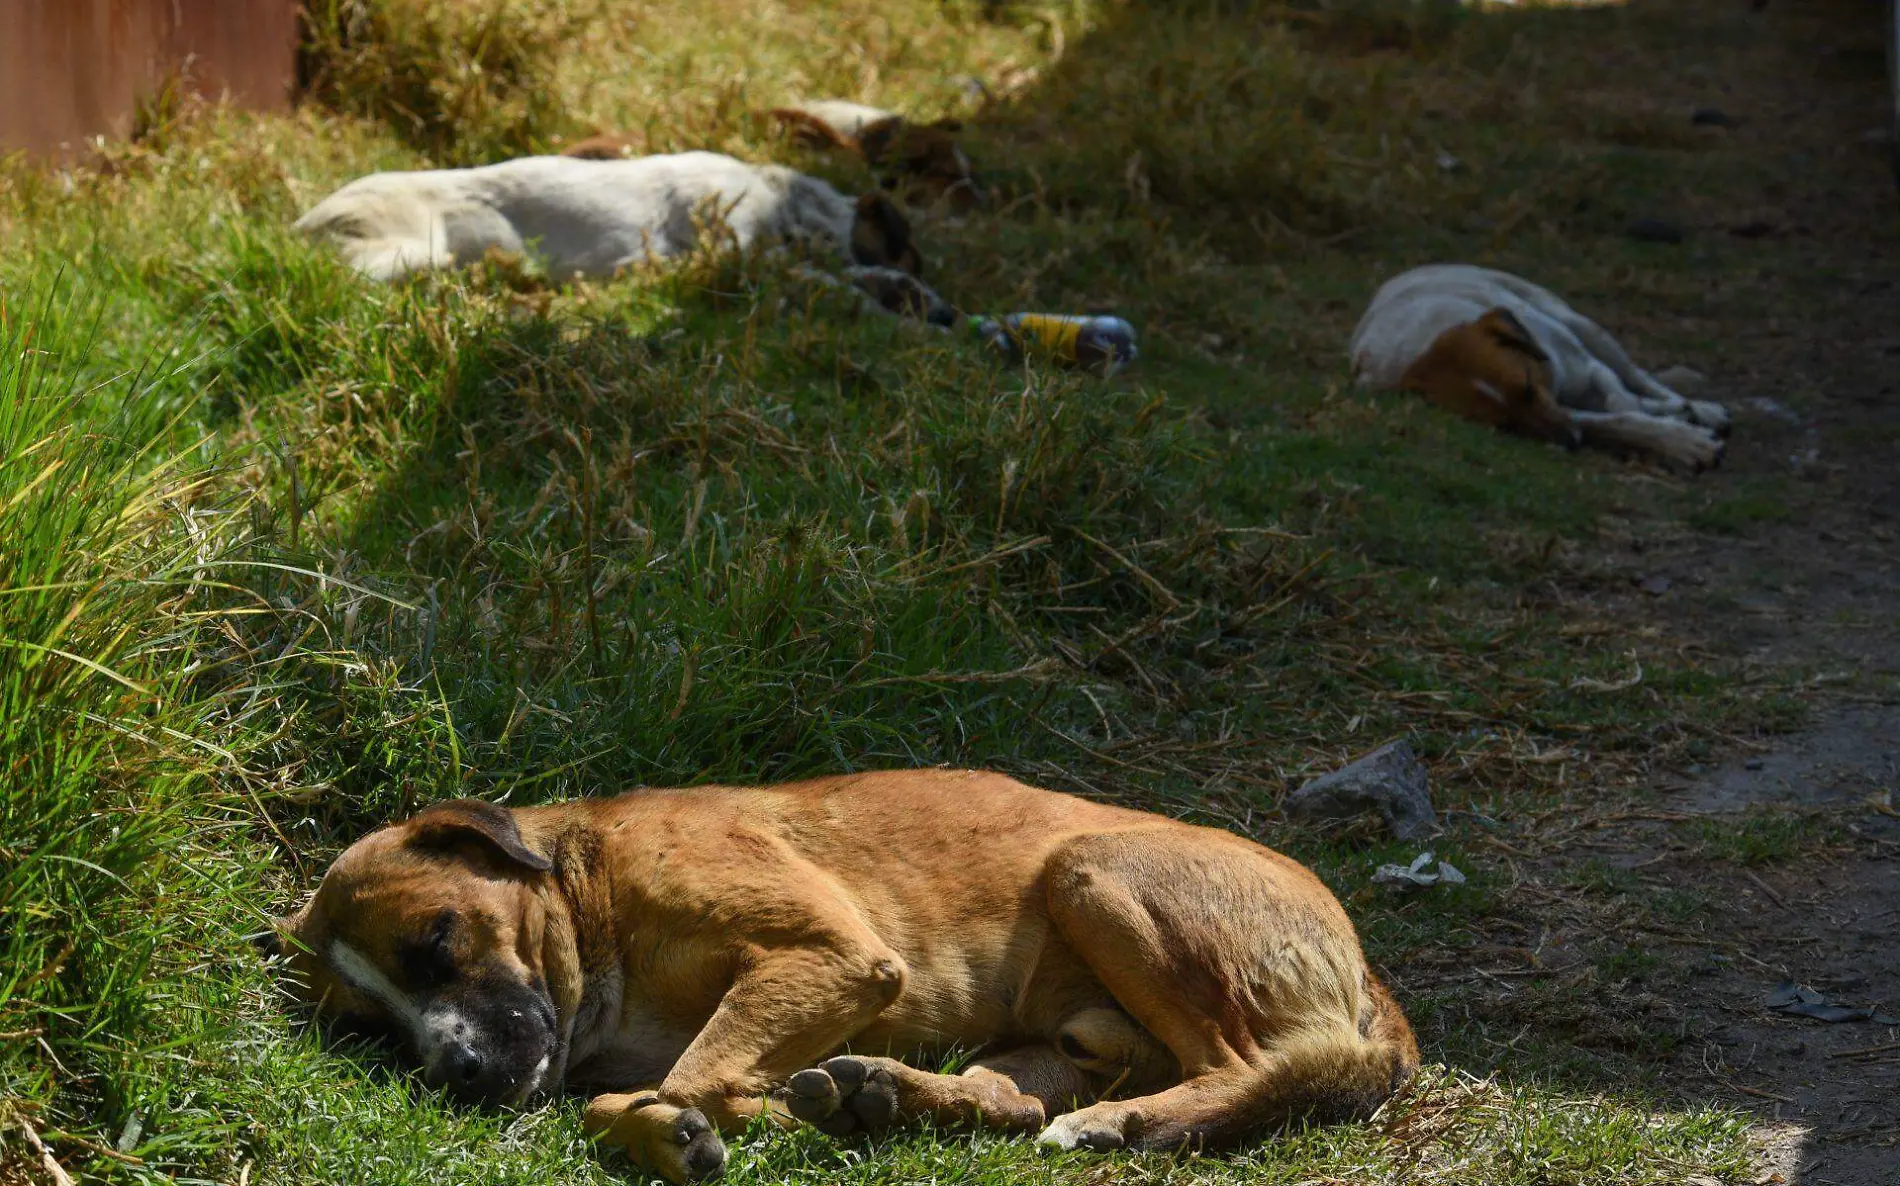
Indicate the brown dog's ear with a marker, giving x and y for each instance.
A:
(807, 129)
(1509, 331)
(458, 821)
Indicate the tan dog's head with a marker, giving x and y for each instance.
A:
(430, 933)
(1493, 371)
(880, 237)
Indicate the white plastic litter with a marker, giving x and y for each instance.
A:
(1419, 873)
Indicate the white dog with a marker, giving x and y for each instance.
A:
(1500, 350)
(586, 218)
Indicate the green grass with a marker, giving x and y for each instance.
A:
(1765, 836)
(360, 547)
(1735, 514)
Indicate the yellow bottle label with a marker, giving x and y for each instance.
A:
(1051, 332)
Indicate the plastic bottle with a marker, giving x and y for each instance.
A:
(1104, 344)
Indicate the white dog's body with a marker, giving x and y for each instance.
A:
(582, 218)
(1610, 398)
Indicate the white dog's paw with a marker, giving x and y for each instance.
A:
(1710, 415)
(1691, 447)
(1093, 1128)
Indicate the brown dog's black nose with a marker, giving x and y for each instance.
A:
(465, 1065)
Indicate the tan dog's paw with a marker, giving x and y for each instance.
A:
(679, 1144)
(845, 1095)
(1099, 1128)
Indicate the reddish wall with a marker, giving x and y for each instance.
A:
(74, 69)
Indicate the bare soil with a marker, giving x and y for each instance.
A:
(1803, 591)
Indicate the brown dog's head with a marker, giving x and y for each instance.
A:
(924, 159)
(880, 236)
(1493, 371)
(430, 933)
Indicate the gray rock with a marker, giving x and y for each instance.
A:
(1390, 780)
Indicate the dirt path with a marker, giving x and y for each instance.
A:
(1809, 887)
(1830, 1093)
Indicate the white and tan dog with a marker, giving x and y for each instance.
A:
(586, 218)
(1499, 350)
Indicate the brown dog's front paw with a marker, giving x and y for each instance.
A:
(846, 1094)
(701, 1153)
(679, 1144)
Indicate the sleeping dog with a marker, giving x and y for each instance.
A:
(703, 957)
(588, 218)
(922, 160)
(1499, 350)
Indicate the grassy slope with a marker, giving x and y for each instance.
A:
(707, 526)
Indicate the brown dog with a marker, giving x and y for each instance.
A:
(704, 955)
(923, 160)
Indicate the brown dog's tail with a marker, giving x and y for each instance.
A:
(1333, 1074)
(1383, 1023)
(1328, 1072)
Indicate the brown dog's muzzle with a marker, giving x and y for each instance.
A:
(488, 1042)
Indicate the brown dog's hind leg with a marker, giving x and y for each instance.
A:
(1243, 964)
(1017, 1089)
(860, 1092)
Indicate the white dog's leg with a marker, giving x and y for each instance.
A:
(1675, 442)
(1652, 395)
(1612, 394)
